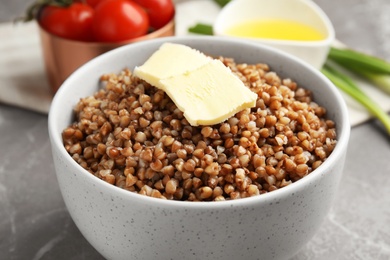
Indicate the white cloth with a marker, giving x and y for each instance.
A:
(22, 77)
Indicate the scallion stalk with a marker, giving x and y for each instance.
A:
(222, 3)
(358, 59)
(347, 85)
(201, 28)
(207, 29)
(381, 80)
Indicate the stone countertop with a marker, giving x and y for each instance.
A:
(34, 223)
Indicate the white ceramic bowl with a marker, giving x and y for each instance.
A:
(125, 225)
(304, 11)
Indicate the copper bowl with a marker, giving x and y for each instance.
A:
(63, 56)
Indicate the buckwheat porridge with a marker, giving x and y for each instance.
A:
(130, 134)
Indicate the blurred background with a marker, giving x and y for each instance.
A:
(34, 223)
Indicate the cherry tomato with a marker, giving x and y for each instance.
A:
(160, 12)
(119, 20)
(93, 3)
(73, 22)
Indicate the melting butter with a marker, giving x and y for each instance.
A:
(169, 60)
(204, 89)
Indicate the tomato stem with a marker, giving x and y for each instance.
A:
(34, 9)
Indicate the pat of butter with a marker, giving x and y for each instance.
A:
(171, 59)
(204, 89)
(210, 94)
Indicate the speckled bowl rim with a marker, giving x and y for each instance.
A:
(339, 150)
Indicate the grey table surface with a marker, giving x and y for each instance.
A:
(34, 223)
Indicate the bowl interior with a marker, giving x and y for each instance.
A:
(85, 81)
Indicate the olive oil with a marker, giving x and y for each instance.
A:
(277, 29)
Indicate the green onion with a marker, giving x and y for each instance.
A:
(222, 3)
(358, 59)
(201, 28)
(347, 85)
(207, 29)
(381, 80)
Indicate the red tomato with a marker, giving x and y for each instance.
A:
(119, 20)
(73, 22)
(93, 3)
(160, 12)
